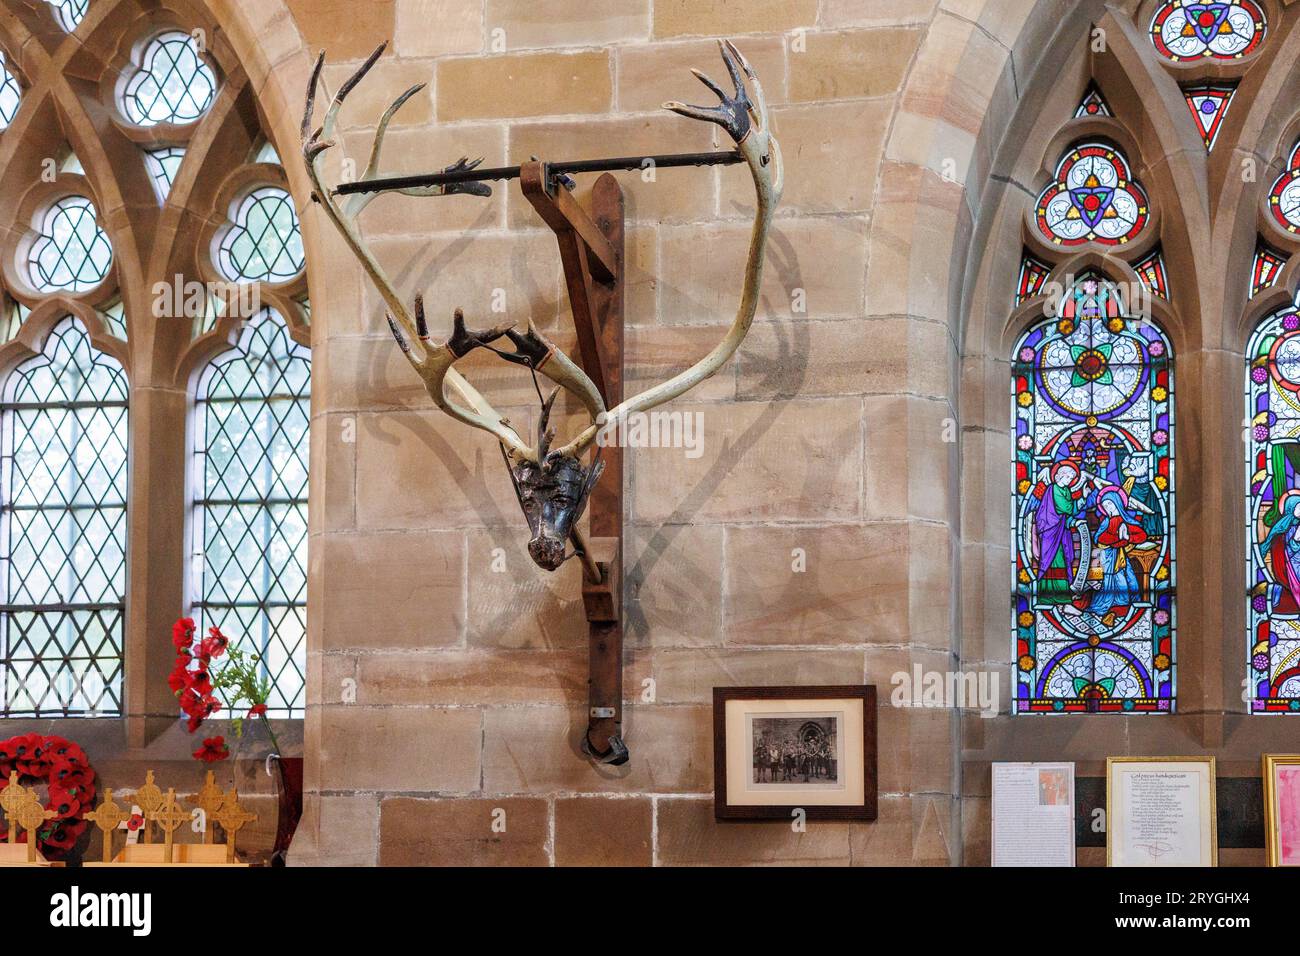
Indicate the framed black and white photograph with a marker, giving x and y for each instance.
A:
(778, 749)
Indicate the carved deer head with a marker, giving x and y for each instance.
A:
(552, 483)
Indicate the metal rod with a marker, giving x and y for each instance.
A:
(666, 161)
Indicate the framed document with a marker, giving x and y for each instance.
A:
(1160, 811)
(1282, 809)
(781, 749)
(1033, 814)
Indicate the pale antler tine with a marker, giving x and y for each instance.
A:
(351, 82)
(706, 113)
(312, 86)
(360, 201)
(372, 167)
(729, 57)
(708, 81)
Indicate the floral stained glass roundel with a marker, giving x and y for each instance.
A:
(1093, 510)
(1192, 30)
(1273, 515)
(1092, 199)
(1284, 197)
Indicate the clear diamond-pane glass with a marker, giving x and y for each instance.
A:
(10, 94)
(171, 85)
(71, 253)
(263, 243)
(69, 13)
(163, 164)
(250, 509)
(63, 421)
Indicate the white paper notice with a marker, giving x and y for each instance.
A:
(1033, 814)
(1161, 820)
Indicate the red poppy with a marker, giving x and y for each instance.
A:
(213, 749)
(257, 710)
(183, 632)
(135, 822)
(214, 645)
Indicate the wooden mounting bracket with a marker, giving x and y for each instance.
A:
(591, 250)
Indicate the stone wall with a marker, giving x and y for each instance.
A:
(440, 690)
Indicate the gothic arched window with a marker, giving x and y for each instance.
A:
(63, 421)
(1273, 514)
(250, 507)
(1093, 508)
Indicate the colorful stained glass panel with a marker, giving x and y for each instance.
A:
(1192, 29)
(1092, 199)
(1093, 554)
(1273, 515)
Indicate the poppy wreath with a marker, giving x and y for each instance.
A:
(70, 784)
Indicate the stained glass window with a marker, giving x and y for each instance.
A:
(1033, 273)
(163, 164)
(1194, 29)
(1284, 197)
(63, 571)
(1093, 103)
(1151, 273)
(69, 13)
(1092, 199)
(263, 243)
(1268, 263)
(1093, 554)
(171, 85)
(250, 510)
(10, 94)
(1209, 104)
(71, 252)
(1273, 515)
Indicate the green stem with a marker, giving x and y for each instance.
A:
(274, 743)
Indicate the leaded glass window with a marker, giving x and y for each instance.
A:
(263, 242)
(63, 422)
(1093, 553)
(1273, 515)
(1268, 265)
(1209, 105)
(171, 85)
(1284, 197)
(1195, 30)
(163, 164)
(69, 13)
(10, 94)
(250, 512)
(72, 252)
(1092, 199)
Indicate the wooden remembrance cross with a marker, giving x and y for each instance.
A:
(551, 481)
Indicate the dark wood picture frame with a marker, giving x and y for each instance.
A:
(722, 810)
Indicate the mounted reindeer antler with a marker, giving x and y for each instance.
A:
(432, 362)
(748, 124)
(551, 482)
